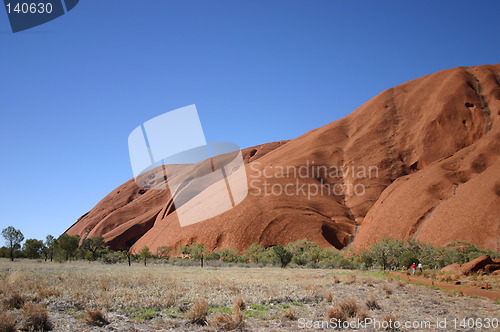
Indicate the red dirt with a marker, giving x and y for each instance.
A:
(435, 143)
(490, 294)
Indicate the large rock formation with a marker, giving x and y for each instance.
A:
(418, 161)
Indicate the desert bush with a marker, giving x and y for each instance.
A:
(269, 257)
(362, 315)
(228, 322)
(222, 321)
(349, 307)
(372, 303)
(284, 256)
(337, 313)
(239, 303)
(112, 257)
(14, 301)
(290, 314)
(390, 319)
(213, 256)
(237, 317)
(254, 253)
(198, 312)
(35, 318)
(7, 322)
(95, 317)
(228, 255)
(387, 289)
(328, 297)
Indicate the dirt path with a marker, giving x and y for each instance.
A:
(491, 294)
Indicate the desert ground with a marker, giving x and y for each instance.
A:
(82, 296)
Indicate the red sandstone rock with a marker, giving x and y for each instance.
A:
(434, 141)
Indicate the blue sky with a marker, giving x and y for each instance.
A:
(259, 71)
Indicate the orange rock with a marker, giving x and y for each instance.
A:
(476, 264)
(434, 143)
(452, 268)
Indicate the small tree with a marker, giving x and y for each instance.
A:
(228, 255)
(67, 245)
(284, 256)
(163, 252)
(145, 254)
(94, 246)
(386, 252)
(254, 252)
(196, 251)
(13, 238)
(33, 248)
(50, 244)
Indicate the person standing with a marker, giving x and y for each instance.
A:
(420, 267)
(413, 268)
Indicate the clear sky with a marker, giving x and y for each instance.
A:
(259, 71)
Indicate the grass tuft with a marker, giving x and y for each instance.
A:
(349, 307)
(198, 312)
(372, 303)
(390, 319)
(7, 322)
(239, 303)
(36, 318)
(14, 301)
(290, 314)
(96, 318)
(335, 313)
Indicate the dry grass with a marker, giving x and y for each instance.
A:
(351, 279)
(390, 319)
(239, 304)
(343, 310)
(362, 315)
(349, 307)
(337, 313)
(35, 318)
(7, 322)
(372, 303)
(14, 301)
(290, 314)
(96, 318)
(198, 312)
(387, 289)
(249, 298)
(227, 322)
(230, 322)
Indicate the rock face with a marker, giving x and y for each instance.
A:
(419, 161)
(482, 264)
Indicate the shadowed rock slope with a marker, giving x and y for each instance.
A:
(419, 161)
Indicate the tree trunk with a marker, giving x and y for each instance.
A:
(128, 258)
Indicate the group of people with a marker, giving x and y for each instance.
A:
(414, 267)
